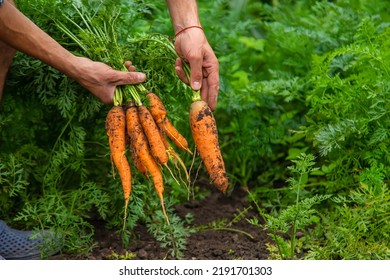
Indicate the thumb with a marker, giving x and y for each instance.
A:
(196, 73)
(129, 78)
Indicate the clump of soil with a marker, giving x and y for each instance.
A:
(240, 240)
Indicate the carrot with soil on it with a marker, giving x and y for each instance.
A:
(116, 132)
(205, 135)
(159, 113)
(141, 147)
(136, 160)
(152, 134)
(156, 107)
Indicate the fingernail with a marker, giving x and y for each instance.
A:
(141, 76)
(196, 85)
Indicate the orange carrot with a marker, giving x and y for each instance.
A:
(140, 144)
(136, 160)
(174, 135)
(156, 107)
(116, 131)
(159, 114)
(152, 134)
(205, 135)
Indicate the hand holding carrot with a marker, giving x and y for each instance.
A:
(20, 33)
(192, 46)
(101, 80)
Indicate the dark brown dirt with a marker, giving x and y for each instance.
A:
(237, 240)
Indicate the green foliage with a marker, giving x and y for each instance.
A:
(172, 237)
(13, 182)
(336, 54)
(358, 225)
(348, 101)
(294, 217)
(63, 212)
(270, 64)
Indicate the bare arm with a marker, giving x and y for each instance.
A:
(192, 46)
(183, 13)
(17, 31)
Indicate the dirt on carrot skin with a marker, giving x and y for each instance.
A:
(203, 245)
(205, 135)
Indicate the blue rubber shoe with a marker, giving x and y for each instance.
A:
(26, 245)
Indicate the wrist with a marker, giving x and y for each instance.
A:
(186, 28)
(75, 68)
(178, 26)
(183, 13)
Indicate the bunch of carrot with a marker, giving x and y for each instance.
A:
(143, 131)
(202, 122)
(147, 129)
(131, 126)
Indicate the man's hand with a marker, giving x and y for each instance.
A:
(101, 80)
(192, 46)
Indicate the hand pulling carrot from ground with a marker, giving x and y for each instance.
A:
(140, 143)
(116, 131)
(205, 135)
(159, 113)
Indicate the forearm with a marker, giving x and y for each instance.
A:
(18, 31)
(184, 13)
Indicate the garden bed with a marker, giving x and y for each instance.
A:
(241, 240)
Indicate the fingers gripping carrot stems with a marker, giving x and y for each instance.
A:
(146, 129)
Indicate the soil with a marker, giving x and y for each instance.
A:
(238, 240)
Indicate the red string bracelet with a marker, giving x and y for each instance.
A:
(184, 29)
